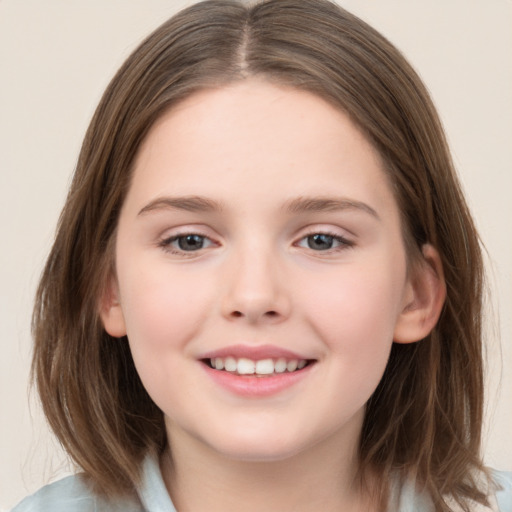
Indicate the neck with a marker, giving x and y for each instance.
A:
(320, 478)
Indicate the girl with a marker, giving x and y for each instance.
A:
(265, 291)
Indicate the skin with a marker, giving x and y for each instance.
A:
(255, 150)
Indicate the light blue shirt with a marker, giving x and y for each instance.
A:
(71, 494)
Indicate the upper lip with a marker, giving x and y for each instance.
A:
(254, 352)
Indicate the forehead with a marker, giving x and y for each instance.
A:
(256, 138)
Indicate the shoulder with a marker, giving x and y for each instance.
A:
(71, 494)
(499, 491)
(503, 481)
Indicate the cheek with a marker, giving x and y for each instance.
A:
(355, 321)
(356, 314)
(163, 310)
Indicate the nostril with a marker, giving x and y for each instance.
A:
(268, 314)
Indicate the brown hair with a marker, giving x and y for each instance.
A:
(425, 417)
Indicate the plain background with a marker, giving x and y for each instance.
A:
(56, 58)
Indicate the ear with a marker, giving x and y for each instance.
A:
(111, 313)
(423, 300)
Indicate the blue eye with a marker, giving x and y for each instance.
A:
(190, 242)
(323, 242)
(320, 242)
(186, 243)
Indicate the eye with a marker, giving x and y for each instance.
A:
(324, 242)
(189, 242)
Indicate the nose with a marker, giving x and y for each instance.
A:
(255, 288)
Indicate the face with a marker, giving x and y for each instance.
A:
(261, 274)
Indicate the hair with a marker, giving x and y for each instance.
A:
(424, 419)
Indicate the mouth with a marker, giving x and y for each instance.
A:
(269, 367)
(257, 372)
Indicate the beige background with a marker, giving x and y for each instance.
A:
(56, 57)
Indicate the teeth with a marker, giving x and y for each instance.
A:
(291, 366)
(280, 365)
(230, 364)
(265, 367)
(244, 366)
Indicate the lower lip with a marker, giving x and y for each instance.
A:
(257, 387)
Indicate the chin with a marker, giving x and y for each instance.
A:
(264, 445)
(259, 453)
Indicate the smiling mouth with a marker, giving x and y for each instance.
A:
(257, 368)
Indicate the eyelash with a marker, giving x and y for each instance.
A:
(344, 243)
(166, 243)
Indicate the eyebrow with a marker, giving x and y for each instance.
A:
(328, 204)
(187, 203)
(296, 206)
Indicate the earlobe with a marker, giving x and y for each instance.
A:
(425, 298)
(111, 312)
